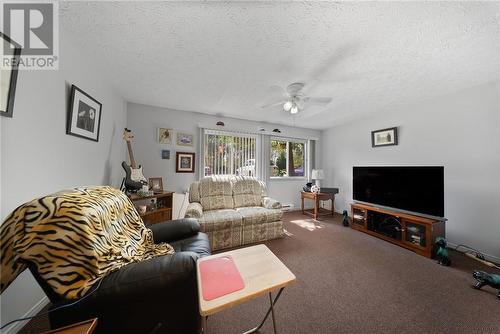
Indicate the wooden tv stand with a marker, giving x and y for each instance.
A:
(406, 230)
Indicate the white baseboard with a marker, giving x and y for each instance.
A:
(32, 312)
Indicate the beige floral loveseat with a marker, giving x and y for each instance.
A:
(234, 210)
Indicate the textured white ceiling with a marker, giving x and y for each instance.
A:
(222, 57)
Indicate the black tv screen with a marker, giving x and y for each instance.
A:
(419, 189)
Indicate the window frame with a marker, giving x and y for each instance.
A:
(305, 142)
(258, 152)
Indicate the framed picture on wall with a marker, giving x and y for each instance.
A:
(184, 162)
(184, 139)
(164, 136)
(10, 52)
(84, 115)
(165, 154)
(385, 137)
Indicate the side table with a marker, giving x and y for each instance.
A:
(317, 197)
(84, 327)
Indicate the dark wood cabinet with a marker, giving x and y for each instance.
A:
(159, 206)
(410, 231)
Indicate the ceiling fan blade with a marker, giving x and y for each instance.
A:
(276, 90)
(317, 100)
(311, 114)
(273, 104)
(294, 88)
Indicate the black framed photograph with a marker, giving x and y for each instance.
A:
(184, 162)
(385, 137)
(84, 115)
(10, 54)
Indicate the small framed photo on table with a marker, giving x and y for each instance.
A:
(184, 162)
(84, 115)
(156, 184)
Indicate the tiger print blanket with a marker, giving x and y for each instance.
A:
(74, 238)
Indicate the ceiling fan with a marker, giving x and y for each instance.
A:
(294, 100)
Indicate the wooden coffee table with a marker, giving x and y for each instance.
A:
(262, 273)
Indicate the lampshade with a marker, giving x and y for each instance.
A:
(294, 109)
(287, 106)
(317, 174)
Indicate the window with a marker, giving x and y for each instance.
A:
(287, 158)
(228, 153)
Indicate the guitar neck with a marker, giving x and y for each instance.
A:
(131, 155)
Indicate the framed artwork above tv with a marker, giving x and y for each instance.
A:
(385, 137)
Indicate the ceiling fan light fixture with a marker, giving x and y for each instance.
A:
(287, 106)
(294, 109)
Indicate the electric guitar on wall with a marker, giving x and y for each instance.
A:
(134, 178)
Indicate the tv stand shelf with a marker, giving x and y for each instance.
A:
(406, 230)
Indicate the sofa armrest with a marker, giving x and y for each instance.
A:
(159, 290)
(270, 203)
(194, 210)
(175, 230)
(134, 281)
(139, 281)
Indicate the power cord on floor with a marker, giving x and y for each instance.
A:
(55, 309)
(478, 255)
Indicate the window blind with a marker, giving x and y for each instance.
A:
(229, 153)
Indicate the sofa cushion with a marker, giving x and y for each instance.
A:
(220, 219)
(270, 203)
(247, 192)
(216, 193)
(194, 210)
(198, 244)
(259, 215)
(194, 192)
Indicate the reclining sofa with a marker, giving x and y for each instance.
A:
(93, 257)
(234, 211)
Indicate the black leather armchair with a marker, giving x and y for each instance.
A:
(155, 296)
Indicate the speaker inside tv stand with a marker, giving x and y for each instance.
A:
(406, 230)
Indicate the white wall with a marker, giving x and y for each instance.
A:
(460, 132)
(143, 120)
(38, 158)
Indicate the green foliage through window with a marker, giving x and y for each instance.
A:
(287, 158)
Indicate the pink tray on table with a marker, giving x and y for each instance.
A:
(219, 277)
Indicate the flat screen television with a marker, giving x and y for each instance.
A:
(417, 189)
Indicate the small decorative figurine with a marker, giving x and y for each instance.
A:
(442, 255)
(345, 220)
(483, 278)
(315, 189)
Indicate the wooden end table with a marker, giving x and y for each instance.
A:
(84, 327)
(262, 273)
(317, 197)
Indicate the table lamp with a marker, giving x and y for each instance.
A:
(318, 175)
